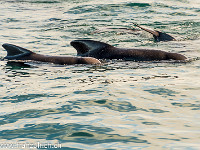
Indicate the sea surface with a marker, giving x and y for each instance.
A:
(119, 105)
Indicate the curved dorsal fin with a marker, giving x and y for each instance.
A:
(15, 52)
(84, 46)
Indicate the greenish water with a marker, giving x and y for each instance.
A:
(118, 105)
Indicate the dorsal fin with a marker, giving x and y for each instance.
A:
(84, 46)
(158, 36)
(15, 52)
(163, 37)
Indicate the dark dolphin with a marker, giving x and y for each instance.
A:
(158, 36)
(100, 50)
(18, 53)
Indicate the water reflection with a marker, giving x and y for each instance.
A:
(21, 98)
(35, 113)
(150, 123)
(122, 106)
(17, 65)
(69, 133)
(195, 106)
(163, 92)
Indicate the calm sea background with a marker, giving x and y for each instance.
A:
(118, 105)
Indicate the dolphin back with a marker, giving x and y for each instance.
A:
(15, 52)
(86, 46)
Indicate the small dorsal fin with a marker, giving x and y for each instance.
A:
(158, 36)
(15, 52)
(163, 37)
(84, 46)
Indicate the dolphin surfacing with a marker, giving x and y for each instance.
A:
(100, 50)
(18, 53)
(158, 35)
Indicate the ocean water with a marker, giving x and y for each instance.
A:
(117, 105)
